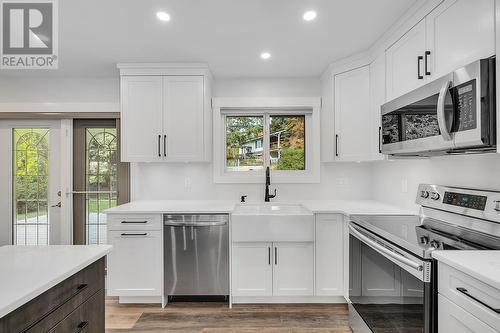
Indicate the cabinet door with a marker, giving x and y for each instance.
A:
(377, 98)
(454, 319)
(184, 118)
(352, 115)
(329, 255)
(402, 74)
(135, 264)
(252, 269)
(384, 277)
(141, 118)
(293, 272)
(458, 33)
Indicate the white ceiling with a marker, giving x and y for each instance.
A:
(228, 34)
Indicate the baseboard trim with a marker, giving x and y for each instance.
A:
(288, 299)
(139, 300)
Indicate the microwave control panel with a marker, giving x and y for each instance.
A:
(465, 103)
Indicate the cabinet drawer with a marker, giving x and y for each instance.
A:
(53, 305)
(454, 319)
(478, 298)
(134, 222)
(88, 317)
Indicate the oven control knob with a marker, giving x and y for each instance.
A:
(424, 194)
(435, 244)
(435, 196)
(424, 240)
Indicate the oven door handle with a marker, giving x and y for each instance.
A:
(415, 265)
(441, 112)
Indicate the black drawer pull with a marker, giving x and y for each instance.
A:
(82, 286)
(466, 293)
(82, 326)
(134, 234)
(134, 222)
(419, 60)
(427, 54)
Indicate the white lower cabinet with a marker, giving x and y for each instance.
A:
(453, 319)
(252, 270)
(329, 255)
(272, 269)
(293, 271)
(134, 266)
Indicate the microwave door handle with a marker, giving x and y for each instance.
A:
(384, 251)
(441, 116)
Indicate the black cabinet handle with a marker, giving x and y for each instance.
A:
(165, 145)
(269, 255)
(134, 234)
(419, 61)
(336, 145)
(276, 256)
(134, 222)
(466, 293)
(82, 286)
(159, 145)
(380, 139)
(427, 54)
(82, 326)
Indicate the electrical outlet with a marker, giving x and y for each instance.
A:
(187, 183)
(404, 185)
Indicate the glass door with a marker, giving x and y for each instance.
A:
(100, 180)
(30, 163)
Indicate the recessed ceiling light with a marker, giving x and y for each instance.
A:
(163, 16)
(265, 55)
(309, 15)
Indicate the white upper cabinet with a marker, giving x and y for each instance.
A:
(141, 118)
(183, 118)
(353, 139)
(454, 34)
(377, 98)
(458, 33)
(405, 62)
(166, 113)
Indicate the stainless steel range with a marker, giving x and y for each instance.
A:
(392, 276)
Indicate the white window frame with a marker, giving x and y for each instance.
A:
(307, 106)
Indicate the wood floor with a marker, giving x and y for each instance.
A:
(217, 317)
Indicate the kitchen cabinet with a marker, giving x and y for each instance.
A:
(454, 34)
(405, 61)
(165, 117)
(377, 98)
(454, 319)
(353, 138)
(252, 269)
(272, 269)
(293, 271)
(329, 255)
(135, 264)
(458, 33)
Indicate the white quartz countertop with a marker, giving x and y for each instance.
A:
(28, 271)
(482, 265)
(347, 207)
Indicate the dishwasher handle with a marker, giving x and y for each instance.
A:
(194, 224)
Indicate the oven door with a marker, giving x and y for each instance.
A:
(389, 289)
(419, 121)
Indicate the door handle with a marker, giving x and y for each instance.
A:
(380, 139)
(165, 145)
(444, 128)
(419, 61)
(276, 256)
(466, 293)
(336, 145)
(427, 54)
(134, 234)
(82, 326)
(57, 205)
(159, 145)
(269, 255)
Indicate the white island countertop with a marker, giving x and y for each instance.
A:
(28, 271)
(482, 265)
(346, 207)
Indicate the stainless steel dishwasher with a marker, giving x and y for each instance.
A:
(196, 255)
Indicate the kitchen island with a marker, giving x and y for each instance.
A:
(52, 288)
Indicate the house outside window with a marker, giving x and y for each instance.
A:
(247, 140)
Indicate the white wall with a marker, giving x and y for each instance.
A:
(195, 181)
(479, 171)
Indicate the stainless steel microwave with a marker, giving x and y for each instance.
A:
(452, 115)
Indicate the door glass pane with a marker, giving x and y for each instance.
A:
(30, 186)
(101, 177)
(244, 143)
(287, 142)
